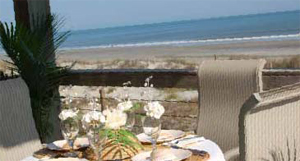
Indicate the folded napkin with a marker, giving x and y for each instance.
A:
(186, 142)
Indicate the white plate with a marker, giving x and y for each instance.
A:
(164, 136)
(66, 159)
(180, 154)
(59, 145)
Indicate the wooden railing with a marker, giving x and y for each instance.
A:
(165, 78)
(162, 78)
(179, 115)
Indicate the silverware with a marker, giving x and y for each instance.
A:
(185, 139)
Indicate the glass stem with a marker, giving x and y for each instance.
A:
(72, 151)
(98, 148)
(154, 145)
(154, 148)
(71, 144)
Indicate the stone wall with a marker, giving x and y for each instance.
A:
(181, 104)
(181, 109)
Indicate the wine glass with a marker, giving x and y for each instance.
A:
(130, 120)
(152, 128)
(70, 129)
(93, 123)
(96, 137)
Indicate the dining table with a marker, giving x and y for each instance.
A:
(206, 150)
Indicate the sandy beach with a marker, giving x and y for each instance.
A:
(167, 57)
(255, 49)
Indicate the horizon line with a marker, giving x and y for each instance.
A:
(186, 20)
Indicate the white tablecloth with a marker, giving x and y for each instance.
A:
(213, 150)
(209, 146)
(31, 158)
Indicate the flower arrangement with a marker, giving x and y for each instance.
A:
(120, 142)
(67, 114)
(92, 119)
(154, 109)
(115, 119)
(112, 124)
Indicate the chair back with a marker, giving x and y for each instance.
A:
(18, 135)
(224, 85)
(270, 125)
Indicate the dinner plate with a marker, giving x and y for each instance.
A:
(61, 145)
(164, 136)
(179, 154)
(66, 159)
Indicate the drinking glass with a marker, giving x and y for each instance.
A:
(96, 137)
(70, 129)
(152, 128)
(130, 120)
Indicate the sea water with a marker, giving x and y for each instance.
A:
(264, 27)
(257, 27)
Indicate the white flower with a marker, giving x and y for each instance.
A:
(115, 118)
(92, 116)
(124, 106)
(154, 109)
(65, 114)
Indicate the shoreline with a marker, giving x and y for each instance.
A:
(280, 48)
(285, 54)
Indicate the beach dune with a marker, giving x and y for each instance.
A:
(255, 49)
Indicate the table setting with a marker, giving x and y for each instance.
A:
(188, 148)
(108, 136)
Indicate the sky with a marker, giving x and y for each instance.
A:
(90, 14)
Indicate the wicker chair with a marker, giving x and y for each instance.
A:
(18, 135)
(224, 85)
(270, 125)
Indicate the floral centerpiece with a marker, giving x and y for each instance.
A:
(108, 135)
(109, 131)
(154, 110)
(151, 123)
(93, 123)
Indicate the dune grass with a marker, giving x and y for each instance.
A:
(288, 62)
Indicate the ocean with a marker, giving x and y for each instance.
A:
(270, 26)
(263, 27)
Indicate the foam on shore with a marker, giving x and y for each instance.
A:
(195, 42)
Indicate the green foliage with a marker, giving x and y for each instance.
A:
(136, 106)
(32, 55)
(122, 137)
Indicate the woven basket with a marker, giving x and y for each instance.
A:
(118, 152)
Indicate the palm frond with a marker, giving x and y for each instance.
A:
(32, 53)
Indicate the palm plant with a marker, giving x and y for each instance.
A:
(32, 54)
(280, 155)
